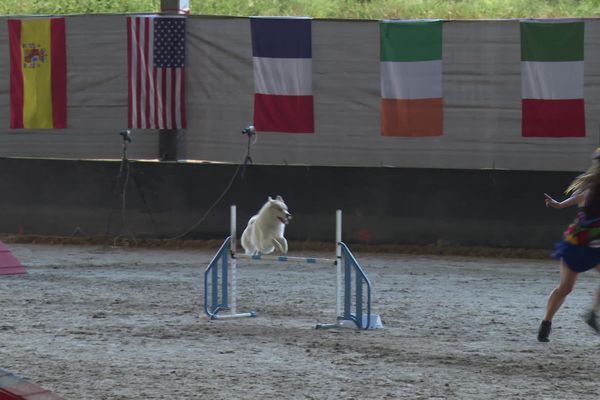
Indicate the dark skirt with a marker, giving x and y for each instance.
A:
(577, 258)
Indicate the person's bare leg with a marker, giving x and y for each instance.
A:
(568, 277)
(591, 317)
(567, 281)
(596, 305)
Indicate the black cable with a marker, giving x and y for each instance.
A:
(124, 170)
(138, 186)
(247, 161)
(121, 186)
(115, 190)
(124, 206)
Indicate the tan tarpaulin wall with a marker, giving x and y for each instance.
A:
(481, 83)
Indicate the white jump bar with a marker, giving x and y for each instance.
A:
(307, 260)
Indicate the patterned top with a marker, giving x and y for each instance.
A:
(582, 231)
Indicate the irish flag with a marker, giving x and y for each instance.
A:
(282, 57)
(411, 78)
(552, 79)
(38, 73)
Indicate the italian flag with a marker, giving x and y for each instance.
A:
(552, 79)
(38, 73)
(411, 78)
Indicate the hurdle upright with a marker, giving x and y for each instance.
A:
(352, 292)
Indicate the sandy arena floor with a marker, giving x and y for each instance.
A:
(114, 323)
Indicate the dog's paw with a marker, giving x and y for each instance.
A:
(281, 245)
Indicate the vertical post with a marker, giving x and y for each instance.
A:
(338, 263)
(359, 301)
(347, 287)
(232, 229)
(232, 249)
(224, 278)
(168, 138)
(175, 6)
(214, 285)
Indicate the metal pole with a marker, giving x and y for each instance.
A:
(232, 249)
(168, 138)
(338, 263)
(175, 6)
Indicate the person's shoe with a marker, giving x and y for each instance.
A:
(591, 319)
(544, 332)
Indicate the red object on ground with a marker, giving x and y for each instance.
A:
(13, 387)
(9, 265)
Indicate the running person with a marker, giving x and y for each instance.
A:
(579, 250)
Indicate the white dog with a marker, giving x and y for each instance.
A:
(265, 230)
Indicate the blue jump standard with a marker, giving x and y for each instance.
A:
(356, 291)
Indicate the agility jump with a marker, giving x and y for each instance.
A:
(353, 301)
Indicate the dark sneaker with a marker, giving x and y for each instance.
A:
(592, 320)
(544, 332)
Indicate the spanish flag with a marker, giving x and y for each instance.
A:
(38, 73)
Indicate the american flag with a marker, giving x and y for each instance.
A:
(156, 70)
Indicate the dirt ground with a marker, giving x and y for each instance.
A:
(92, 322)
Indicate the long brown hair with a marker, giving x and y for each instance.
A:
(589, 178)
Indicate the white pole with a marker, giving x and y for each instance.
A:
(338, 264)
(232, 245)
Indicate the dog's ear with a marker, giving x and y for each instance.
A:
(279, 198)
(270, 199)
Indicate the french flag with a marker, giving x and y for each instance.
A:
(282, 57)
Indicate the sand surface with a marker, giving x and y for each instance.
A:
(97, 323)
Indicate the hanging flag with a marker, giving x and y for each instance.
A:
(411, 78)
(156, 71)
(38, 73)
(282, 56)
(552, 79)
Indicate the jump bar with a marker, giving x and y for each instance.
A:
(308, 260)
